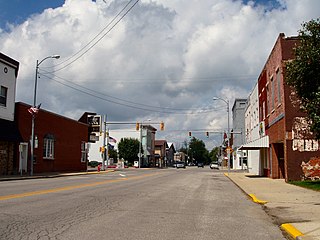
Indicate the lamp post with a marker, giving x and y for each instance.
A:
(228, 111)
(34, 105)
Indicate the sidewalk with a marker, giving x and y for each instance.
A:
(50, 175)
(296, 207)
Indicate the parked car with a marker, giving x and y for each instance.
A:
(93, 163)
(214, 165)
(200, 164)
(180, 164)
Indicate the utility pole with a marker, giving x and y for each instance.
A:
(104, 141)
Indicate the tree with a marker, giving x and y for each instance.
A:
(113, 154)
(303, 72)
(128, 149)
(197, 149)
(214, 154)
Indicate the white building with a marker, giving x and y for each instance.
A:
(239, 158)
(255, 139)
(9, 134)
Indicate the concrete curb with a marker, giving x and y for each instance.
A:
(292, 231)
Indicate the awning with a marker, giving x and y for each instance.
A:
(9, 131)
(257, 144)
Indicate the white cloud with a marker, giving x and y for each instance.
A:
(176, 54)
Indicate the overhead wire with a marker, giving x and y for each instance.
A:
(130, 104)
(88, 46)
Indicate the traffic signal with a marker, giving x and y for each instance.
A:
(189, 134)
(207, 134)
(161, 126)
(137, 126)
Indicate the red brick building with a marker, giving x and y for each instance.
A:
(290, 143)
(60, 142)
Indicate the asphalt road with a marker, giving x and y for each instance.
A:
(181, 204)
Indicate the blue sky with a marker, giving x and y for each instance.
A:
(17, 11)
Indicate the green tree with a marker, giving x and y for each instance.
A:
(113, 154)
(303, 73)
(128, 149)
(197, 150)
(214, 154)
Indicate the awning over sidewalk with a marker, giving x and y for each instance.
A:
(257, 144)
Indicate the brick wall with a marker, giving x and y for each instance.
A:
(68, 136)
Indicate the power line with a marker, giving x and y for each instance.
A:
(131, 104)
(88, 46)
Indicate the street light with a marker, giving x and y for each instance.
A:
(34, 105)
(139, 164)
(228, 111)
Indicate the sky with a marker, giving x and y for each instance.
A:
(158, 60)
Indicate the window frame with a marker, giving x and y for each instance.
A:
(3, 96)
(48, 147)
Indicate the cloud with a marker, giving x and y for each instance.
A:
(172, 55)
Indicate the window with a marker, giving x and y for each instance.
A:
(3, 96)
(48, 146)
(279, 85)
(83, 152)
(272, 93)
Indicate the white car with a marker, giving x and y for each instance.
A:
(214, 165)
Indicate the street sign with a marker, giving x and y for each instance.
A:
(229, 150)
(94, 122)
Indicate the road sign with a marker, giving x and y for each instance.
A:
(229, 150)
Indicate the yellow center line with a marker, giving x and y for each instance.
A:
(60, 189)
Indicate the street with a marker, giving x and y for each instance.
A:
(191, 203)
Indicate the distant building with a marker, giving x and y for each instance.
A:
(160, 153)
(170, 154)
(239, 158)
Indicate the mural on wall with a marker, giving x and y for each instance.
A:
(302, 139)
(311, 169)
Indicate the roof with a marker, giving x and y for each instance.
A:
(9, 61)
(160, 143)
(9, 131)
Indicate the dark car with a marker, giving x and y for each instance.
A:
(200, 164)
(180, 164)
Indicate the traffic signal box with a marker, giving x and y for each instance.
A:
(161, 126)
(137, 126)
(189, 134)
(207, 134)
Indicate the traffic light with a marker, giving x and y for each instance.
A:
(161, 126)
(207, 134)
(137, 126)
(189, 134)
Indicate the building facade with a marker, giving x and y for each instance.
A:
(285, 144)
(60, 142)
(239, 157)
(9, 134)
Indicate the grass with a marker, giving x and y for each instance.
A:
(314, 185)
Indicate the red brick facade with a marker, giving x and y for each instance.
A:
(290, 143)
(68, 136)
